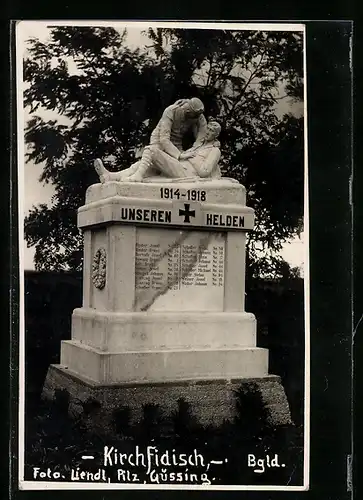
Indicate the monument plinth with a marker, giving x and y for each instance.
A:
(171, 306)
(163, 293)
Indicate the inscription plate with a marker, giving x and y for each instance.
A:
(169, 213)
(179, 270)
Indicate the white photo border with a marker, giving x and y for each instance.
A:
(54, 485)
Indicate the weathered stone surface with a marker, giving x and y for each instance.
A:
(221, 191)
(139, 331)
(211, 402)
(166, 365)
(211, 205)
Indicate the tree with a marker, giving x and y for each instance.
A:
(106, 99)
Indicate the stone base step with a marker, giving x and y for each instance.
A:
(211, 402)
(164, 365)
(137, 331)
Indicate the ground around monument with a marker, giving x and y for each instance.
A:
(226, 455)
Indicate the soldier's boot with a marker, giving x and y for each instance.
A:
(143, 166)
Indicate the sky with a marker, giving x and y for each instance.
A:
(35, 192)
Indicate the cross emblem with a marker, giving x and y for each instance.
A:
(187, 213)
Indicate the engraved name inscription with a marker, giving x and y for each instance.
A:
(185, 265)
(177, 270)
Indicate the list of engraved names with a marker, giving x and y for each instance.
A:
(185, 265)
(179, 271)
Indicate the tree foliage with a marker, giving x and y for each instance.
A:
(104, 99)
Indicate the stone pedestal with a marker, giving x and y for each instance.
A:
(163, 290)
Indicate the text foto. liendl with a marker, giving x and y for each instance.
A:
(122, 476)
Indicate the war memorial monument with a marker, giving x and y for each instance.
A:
(163, 314)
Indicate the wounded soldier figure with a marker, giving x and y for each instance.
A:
(200, 161)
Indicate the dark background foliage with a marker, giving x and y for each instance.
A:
(109, 106)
